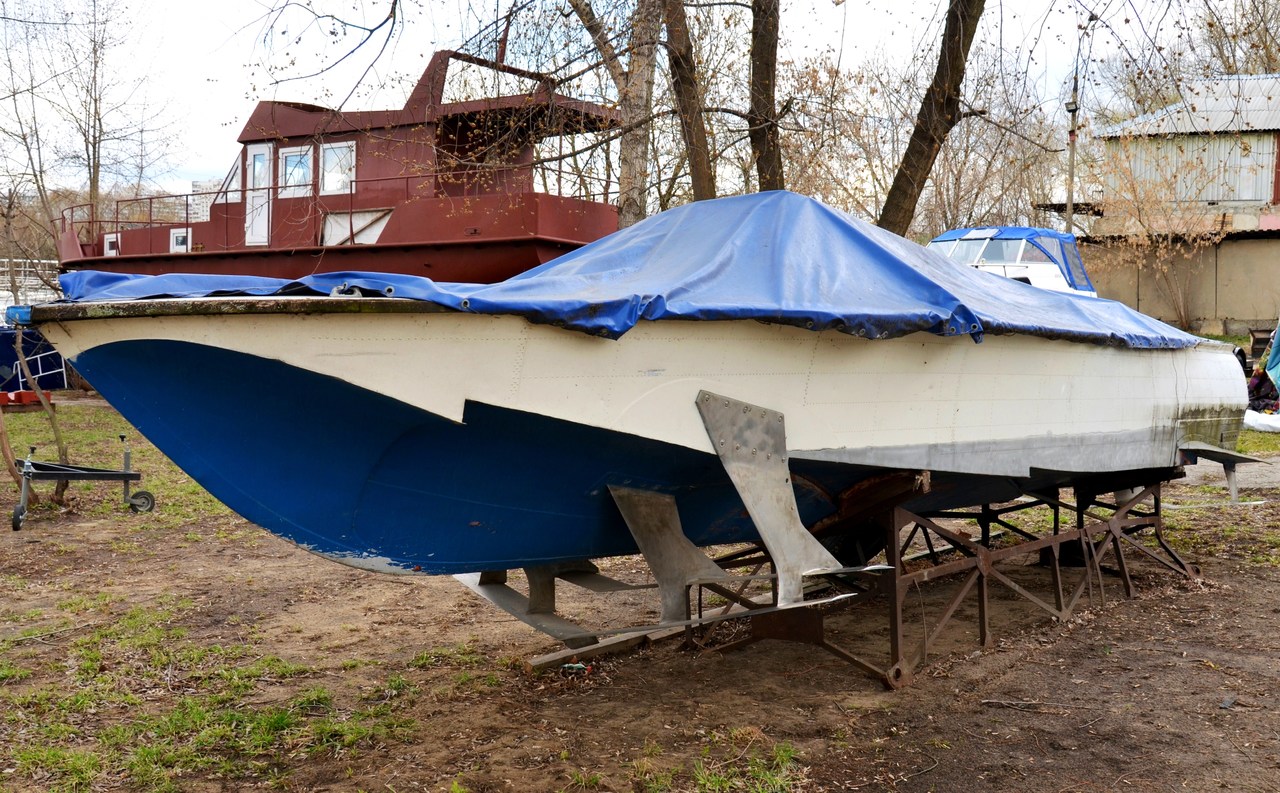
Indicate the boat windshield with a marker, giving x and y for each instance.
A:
(1034, 253)
(1001, 251)
(967, 251)
(981, 251)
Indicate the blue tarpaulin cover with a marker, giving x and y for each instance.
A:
(775, 257)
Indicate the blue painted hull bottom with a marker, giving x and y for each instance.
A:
(373, 482)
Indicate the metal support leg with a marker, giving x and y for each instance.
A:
(1229, 469)
(542, 590)
(751, 443)
(542, 583)
(20, 511)
(900, 669)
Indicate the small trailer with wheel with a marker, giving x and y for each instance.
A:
(38, 471)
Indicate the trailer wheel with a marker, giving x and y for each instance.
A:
(142, 501)
(19, 515)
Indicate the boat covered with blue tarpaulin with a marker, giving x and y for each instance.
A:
(401, 424)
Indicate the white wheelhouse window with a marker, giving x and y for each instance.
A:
(337, 167)
(295, 172)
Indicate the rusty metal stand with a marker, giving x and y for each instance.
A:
(803, 622)
(1103, 535)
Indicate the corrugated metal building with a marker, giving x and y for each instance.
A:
(1217, 147)
(1208, 163)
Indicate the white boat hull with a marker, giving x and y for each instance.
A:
(395, 436)
(904, 401)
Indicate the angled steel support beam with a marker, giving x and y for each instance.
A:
(675, 561)
(751, 442)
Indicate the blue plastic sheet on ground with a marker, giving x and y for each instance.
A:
(774, 257)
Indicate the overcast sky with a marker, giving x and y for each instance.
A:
(204, 60)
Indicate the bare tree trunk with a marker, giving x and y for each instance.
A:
(635, 98)
(636, 105)
(763, 113)
(60, 490)
(10, 461)
(939, 113)
(688, 94)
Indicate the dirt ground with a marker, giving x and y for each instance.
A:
(1174, 690)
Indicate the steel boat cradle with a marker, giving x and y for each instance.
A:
(758, 370)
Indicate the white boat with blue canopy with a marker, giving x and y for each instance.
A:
(756, 347)
(1041, 257)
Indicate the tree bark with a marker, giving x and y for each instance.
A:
(762, 116)
(939, 113)
(10, 460)
(635, 98)
(688, 94)
(60, 489)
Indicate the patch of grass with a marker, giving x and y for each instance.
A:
(397, 685)
(585, 780)
(211, 732)
(127, 547)
(339, 732)
(313, 702)
(465, 683)
(82, 603)
(193, 655)
(242, 679)
(356, 663)
(1192, 536)
(648, 778)
(750, 762)
(70, 769)
(87, 714)
(142, 632)
(711, 780)
(152, 767)
(1242, 342)
(30, 615)
(459, 655)
(10, 673)
(1258, 444)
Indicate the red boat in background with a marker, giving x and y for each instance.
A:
(443, 189)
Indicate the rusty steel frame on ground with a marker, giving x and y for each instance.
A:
(1095, 536)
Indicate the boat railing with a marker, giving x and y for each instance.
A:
(575, 183)
(144, 212)
(86, 227)
(564, 182)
